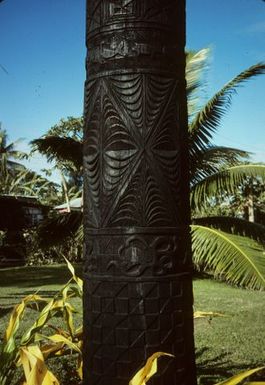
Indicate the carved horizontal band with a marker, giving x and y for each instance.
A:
(137, 48)
(157, 13)
(160, 279)
(131, 70)
(137, 255)
(135, 33)
(137, 230)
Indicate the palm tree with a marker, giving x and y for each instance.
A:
(8, 153)
(16, 179)
(228, 248)
(220, 244)
(63, 145)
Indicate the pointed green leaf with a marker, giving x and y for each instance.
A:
(239, 260)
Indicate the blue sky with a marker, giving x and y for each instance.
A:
(43, 65)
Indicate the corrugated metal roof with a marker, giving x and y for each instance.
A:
(75, 204)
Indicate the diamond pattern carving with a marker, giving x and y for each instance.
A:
(137, 319)
(132, 152)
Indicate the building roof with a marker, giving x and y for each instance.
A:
(25, 199)
(75, 204)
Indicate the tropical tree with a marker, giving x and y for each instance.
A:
(219, 243)
(16, 179)
(62, 144)
(9, 154)
(27, 182)
(248, 202)
(229, 248)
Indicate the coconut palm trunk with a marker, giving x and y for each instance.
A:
(137, 275)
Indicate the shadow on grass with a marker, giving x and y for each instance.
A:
(4, 311)
(14, 299)
(218, 368)
(18, 282)
(46, 294)
(31, 276)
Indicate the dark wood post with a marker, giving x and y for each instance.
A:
(137, 289)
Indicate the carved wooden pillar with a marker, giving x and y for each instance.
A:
(138, 294)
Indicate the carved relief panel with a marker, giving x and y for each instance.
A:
(133, 148)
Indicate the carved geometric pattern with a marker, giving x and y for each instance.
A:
(138, 319)
(137, 281)
(132, 152)
(137, 255)
(102, 12)
(110, 42)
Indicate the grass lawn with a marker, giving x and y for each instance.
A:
(227, 345)
(224, 345)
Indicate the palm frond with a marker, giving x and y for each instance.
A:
(12, 147)
(60, 148)
(236, 259)
(234, 225)
(213, 159)
(224, 182)
(207, 120)
(12, 165)
(196, 63)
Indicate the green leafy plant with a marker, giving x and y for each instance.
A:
(42, 341)
(39, 342)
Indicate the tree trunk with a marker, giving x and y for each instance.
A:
(137, 275)
(65, 189)
(251, 210)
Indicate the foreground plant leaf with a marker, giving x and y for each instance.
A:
(16, 316)
(80, 368)
(56, 345)
(35, 370)
(255, 383)
(150, 368)
(59, 339)
(9, 348)
(75, 278)
(49, 349)
(206, 314)
(50, 309)
(240, 377)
